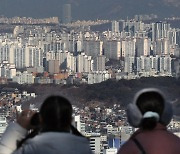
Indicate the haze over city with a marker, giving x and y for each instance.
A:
(90, 9)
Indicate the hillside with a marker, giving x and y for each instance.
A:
(105, 93)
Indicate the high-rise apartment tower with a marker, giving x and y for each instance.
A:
(66, 14)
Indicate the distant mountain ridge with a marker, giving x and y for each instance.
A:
(90, 9)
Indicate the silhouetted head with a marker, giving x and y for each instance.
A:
(56, 114)
(150, 103)
(148, 108)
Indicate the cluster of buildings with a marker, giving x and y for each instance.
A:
(145, 17)
(107, 127)
(36, 54)
(28, 20)
(87, 23)
(11, 100)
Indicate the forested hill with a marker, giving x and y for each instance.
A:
(122, 91)
(105, 93)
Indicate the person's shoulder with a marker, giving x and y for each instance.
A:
(128, 147)
(59, 141)
(56, 136)
(175, 137)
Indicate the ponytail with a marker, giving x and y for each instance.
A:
(149, 120)
(148, 123)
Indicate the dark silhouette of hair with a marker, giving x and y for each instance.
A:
(56, 114)
(150, 101)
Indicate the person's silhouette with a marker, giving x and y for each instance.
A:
(151, 114)
(51, 131)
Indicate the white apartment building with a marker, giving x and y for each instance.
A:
(4, 53)
(161, 47)
(98, 76)
(160, 30)
(143, 46)
(50, 55)
(84, 63)
(112, 49)
(7, 70)
(129, 64)
(80, 63)
(115, 26)
(147, 64)
(112, 130)
(93, 47)
(35, 57)
(125, 133)
(3, 124)
(128, 47)
(23, 78)
(133, 26)
(172, 33)
(71, 62)
(110, 151)
(60, 55)
(165, 65)
(79, 124)
(79, 45)
(95, 142)
(99, 63)
(17, 30)
(21, 55)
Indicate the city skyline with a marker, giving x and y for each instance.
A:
(80, 54)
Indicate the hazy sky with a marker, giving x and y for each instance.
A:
(89, 9)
